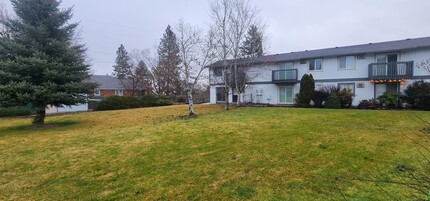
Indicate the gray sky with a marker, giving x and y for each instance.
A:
(292, 25)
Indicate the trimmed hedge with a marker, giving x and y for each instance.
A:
(118, 103)
(124, 102)
(15, 111)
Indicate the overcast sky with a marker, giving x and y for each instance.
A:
(292, 25)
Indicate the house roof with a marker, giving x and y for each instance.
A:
(380, 47)
(106, 82)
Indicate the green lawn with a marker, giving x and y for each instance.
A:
(245, 153)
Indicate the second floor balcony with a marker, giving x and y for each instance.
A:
(391, 71)
(284, 76)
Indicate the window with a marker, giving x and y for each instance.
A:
(217, 71)
(315, 64)
(220, 96)
(347, 62)
(318, 86)
(119, 92)
(350, 86)
(96, 92)
(285, 66)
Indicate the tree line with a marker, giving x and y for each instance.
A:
(42, 62)
(185, 52)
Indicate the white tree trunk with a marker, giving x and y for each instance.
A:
(190, 103)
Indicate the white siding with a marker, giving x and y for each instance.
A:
(261, 76)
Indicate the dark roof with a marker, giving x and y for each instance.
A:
(337, 51)
(106, 82)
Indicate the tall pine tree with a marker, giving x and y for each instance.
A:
(40, 63)
(122, 67)
(253, 44)
(166, 73)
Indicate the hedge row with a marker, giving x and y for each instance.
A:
(15, 111)
(124, 102)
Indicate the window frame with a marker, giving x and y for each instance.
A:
(97, 92)
(217, 72)
(313, 62)
(346, 62)
(119, 92)
(319, 87)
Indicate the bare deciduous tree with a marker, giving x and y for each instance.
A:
(195, 53)
(424, 65)
(230, 21)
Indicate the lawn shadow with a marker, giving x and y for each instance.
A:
(28, 128)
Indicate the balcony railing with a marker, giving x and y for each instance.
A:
(284, 76)
(391, 71)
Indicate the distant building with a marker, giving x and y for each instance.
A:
(108, 86)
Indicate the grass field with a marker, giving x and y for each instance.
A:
(245, 153)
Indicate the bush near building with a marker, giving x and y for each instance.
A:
(418, 94)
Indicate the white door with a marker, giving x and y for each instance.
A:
(285, 95)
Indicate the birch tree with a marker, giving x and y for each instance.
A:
(230, 21)
(196, 54)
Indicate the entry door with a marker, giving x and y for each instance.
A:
(286, 95)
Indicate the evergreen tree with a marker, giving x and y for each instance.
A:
(307, 88)
(145, 77)
(253, 44)
(122, 67)
(40, 63)
(166, 73)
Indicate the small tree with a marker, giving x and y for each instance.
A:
(40, 63)
(307, 89)
(195, 54)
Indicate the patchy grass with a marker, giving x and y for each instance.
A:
(246, 153)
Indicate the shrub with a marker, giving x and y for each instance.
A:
(345, 96)
(14, 111)
(152, 100)
(390, 99)
(163, 100)
(369, 103)
(181, 99)
(148, 100)
(118, 103)
(418, 94)
(333, 101)
(319, 97)
(307, 88)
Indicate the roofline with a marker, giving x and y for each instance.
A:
(261, 60)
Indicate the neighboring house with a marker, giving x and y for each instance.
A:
(108, 86)
(368, 70)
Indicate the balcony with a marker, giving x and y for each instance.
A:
(284, 76)
(394, 71)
